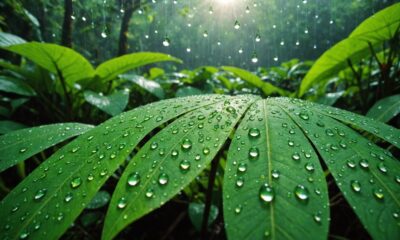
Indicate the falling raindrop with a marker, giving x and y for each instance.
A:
(237, 25)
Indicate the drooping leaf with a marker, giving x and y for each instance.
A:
(59, 60)
(113, 104)
(366, 174)
(116, 66)
(266, 87)
(385, 109)
(196, 212)
(8, 39)
(171, 160)
(274, 178)
(9, 126)
(378, 28)
(64, 184)
(13, 85)
(150, 86)
(22, 144)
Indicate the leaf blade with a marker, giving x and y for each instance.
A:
(385, 109)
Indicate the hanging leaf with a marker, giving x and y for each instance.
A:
(7, 39)
(113, 104)
(379, 28)
(188, 91)
(196, 212)
(150, 86)
(385, 109)
(9, 126)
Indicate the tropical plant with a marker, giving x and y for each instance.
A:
(368, 58)
(280, 152)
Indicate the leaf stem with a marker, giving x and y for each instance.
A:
(206, 213)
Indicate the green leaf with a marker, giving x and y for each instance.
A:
(274, 178)
(59, 60)
(385, 109)
(196, 212)
(150, 86)
(330, 98)
(188, 91)
(22, 144)
(112, 104)
(81, 168)
(377, 128)
(171, 160)
(112, 68)
(378, 28)
(9, 126)
(366, 174)
(8, 39)
(266, 87)
(13, 85)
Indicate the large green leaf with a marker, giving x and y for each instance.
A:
(112, 104)
(273, 180)
(20, 145)
(385, 109)
(53, 195)
(112, 68)
(266, 87)
(378, 28)
(366, 174)
(171, 160)
(7, 39)
(13, 85)
(59, 60)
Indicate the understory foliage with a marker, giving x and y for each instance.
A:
(238, 149)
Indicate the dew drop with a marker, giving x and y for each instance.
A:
(40, 194)
(22, 150)
(382, 167)
(364, 163)
(304, 116)
(317, 217)
(163, 179)
(134, 179)
(296, 156)
(206, 151)
(275, 173)
(355, 185)
(266, 193)
(254, 153)
(149, 193)
(254, 132)
(174, 153)
(184, 165)
(351, 163)
(301, 192)
(68, 197)
(76, 182)
(240, 182)
(378, 193)
(122, 203)
(153, 146)
(310, 167)
(242, 167)
(186, 144)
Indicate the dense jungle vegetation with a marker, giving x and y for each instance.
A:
(214, 119)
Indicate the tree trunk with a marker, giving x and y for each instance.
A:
(130, 7)
(66, 37)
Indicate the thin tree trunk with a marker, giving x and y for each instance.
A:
(130, 7)
(66, 37)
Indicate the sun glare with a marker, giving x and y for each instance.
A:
(226, 1)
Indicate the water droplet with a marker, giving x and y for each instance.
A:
(237, 25)
(254, 58)
(68, 197)
(275, 173)
(76, 182)
(254, 132)
(153, 146)
(240, 182)
(75, 149)
(205, 34)
(184, 165)
(174, 153)
(378, 193)
(266, 193)
(22, 150)
(242, 167)
(258, 38)
(238, 209)
(304, 116)
(254, 153)
(24, 235)
(206, 151)
(163, 179)
(355, 185)
(186, 144)
(301, 192)
(317, 217)
(351, 163)
(382, 167)
(166, 42)
(149, 193)
(296, 156)
(364, 163)
(134, 179)
(122, 203)
(310, 167)
(40, 194)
